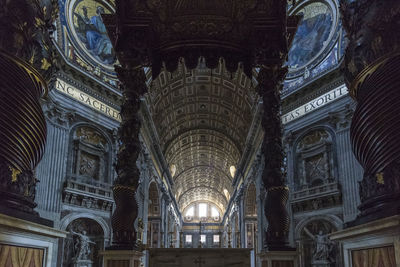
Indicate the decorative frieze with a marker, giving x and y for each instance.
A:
(88, 196)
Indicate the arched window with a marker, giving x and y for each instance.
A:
(202, 211)
(190, 212)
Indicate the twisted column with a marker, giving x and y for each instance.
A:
(126, 184)
(22, 134)
(269, 87)
(26, 64)
(372, 71)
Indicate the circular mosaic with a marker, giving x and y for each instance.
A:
(313, 35)
(89, 32)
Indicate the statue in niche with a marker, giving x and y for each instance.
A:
(318, 248)
(322, 245)
(82, 245)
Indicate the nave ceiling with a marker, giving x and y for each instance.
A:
(202, 120)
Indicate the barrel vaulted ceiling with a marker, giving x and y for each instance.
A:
(202, 120)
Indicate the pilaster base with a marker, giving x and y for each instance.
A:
(375, 243)
(279, 258)
(122, 258)
(36, 242)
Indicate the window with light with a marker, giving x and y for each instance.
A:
(202, 210)
(203, 238)
(190, 212)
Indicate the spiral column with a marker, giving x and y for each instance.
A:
(22, 134)
(269, 85)
(126, 184)
(372, 71)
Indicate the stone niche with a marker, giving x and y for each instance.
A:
(90, 156)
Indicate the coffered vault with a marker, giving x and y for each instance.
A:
(202, 119)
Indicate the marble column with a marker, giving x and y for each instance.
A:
(372, 72)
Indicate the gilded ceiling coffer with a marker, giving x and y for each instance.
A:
(164, 35)
(372, 72)
(26, 57)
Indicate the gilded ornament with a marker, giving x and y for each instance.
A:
(379, 178)
(14, 174)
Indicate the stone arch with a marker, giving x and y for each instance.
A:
(92, 125)
(335, 220)
(85, 239)
(73, 216)
(308, 233)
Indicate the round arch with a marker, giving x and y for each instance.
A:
(94, 126)
(335, 220)
(73, 216)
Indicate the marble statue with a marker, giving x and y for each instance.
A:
(322, 247)
(82, 246)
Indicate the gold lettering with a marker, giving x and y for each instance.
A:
(80, 96)
(315, 104)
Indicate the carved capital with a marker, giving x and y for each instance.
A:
(57, 115)
(342, 118)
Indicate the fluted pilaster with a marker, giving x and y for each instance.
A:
(350, 173)
(51, 170)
